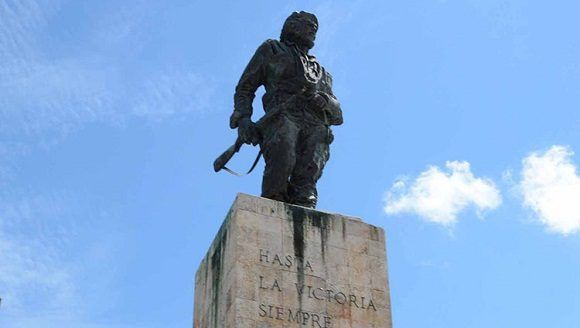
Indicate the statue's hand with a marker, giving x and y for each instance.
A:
(234, 119)
(248, 132)
(317, 102)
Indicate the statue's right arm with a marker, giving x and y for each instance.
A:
(253, 77)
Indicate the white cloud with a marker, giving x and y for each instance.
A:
(43, 267)
(33, 274)
(46, 92)
(30, 272)
(439, 195)
(550, 186)
(41, 93)
(42, 96)
(172, 93)
(45, 95)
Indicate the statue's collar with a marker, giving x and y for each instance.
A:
(295, 46)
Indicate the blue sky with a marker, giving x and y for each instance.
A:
(461, 123)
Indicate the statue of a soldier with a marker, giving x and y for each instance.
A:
(295, 141)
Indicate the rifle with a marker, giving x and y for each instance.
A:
(224, 158)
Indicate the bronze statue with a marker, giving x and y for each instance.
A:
(294, 135)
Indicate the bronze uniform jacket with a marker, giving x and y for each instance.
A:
(283, 69)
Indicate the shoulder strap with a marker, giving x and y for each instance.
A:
(249, 171)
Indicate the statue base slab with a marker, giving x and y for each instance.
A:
(278, 265)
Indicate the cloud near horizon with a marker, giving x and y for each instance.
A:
(550, 186)
(440, 195)
(45, 278)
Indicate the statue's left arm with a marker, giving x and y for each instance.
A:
(332, 108)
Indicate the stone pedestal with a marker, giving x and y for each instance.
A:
(277, 265)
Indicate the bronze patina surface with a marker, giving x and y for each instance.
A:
(295, 138)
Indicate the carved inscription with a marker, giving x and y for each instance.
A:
(333, 296)
(322, 294)
(300, 316)
(303, 318)
(275, 285)
(287, 261)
